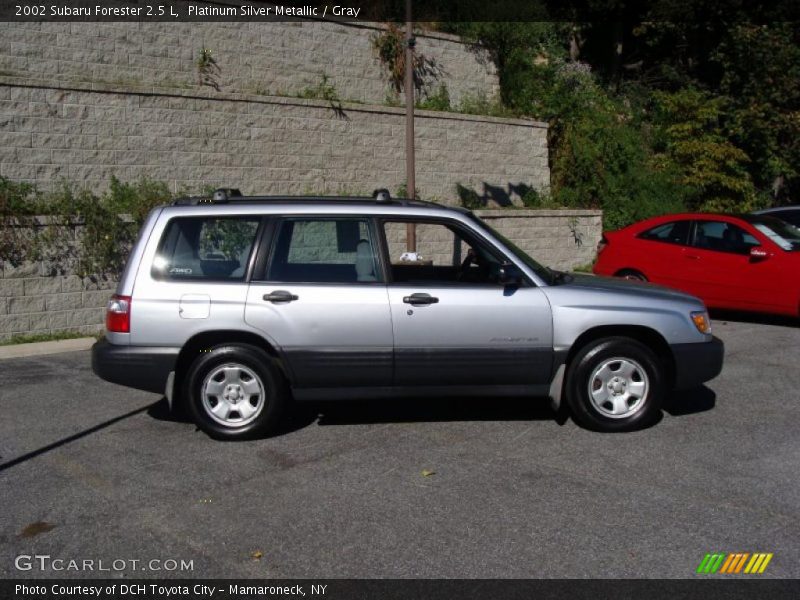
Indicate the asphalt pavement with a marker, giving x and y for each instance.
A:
(440, 488)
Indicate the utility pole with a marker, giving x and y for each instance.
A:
(411, 189)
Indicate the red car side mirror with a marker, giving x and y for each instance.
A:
(757, 254)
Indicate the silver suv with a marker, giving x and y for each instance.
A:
(235, 305)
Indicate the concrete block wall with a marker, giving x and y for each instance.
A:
(435, 243)
(253, 57)
(34, 301)
(260, 144)
(561, 239)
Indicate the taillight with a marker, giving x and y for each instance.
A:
(602, 244)
(118, 314)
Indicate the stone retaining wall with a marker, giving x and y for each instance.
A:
(260, 144)
(561, 239)
(253, 57)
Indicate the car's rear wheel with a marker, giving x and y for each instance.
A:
(615, 384)
(235, 392)
(632, 274)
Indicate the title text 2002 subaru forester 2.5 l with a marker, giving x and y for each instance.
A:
(234, 305)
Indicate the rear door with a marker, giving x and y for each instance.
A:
(321, 298)
(454, 322)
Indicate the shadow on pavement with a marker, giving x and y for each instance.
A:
(433, 410)
(160, 412)
(295, 417)
(758, 318)
(690, 402)
(366, 412)
(71, 438)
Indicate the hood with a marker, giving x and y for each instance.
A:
(626, 287)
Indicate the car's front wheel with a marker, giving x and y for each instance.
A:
(615, 384)
(235, 391)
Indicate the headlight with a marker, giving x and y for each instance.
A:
(701, 321)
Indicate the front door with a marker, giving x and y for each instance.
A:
(719, 262)
(322, 300)
(454, 322)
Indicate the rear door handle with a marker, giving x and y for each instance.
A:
(280, 296)
(420, 299)
(692, 257)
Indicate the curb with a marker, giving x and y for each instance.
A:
(44, 348)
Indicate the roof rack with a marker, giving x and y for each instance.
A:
(234, 196)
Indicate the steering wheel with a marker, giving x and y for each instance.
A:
(473, 257)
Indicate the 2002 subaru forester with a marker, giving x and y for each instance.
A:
(234, 305)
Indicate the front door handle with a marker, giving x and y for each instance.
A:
(280, 296)
(420, 299)
(692, 257)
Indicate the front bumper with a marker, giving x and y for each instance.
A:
(697, 363)
(140, 367)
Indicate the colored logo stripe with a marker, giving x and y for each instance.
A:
(758, 563)
(710, 563)
(733, 562)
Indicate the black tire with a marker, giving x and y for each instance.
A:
(255, 369)
(626, 407)
(632, 274)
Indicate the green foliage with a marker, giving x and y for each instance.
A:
(323, 90)
(45, 337)
(17, 203)
(655, 115)
(514, 48)
(470, 199)
(586, 268)
(208, 71)
(599, 157)
(440, 100)
(75, 229)
(389, 46)
(227, 238)
(532, 198)
(479, 104)
(697, 141)
(760, 68)
(402, 191)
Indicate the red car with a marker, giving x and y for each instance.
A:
(747, 262)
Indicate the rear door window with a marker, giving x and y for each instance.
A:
(318, 250)
(206, 248)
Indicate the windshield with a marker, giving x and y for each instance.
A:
(547, 275)
(780, 232)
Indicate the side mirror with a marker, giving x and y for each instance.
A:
(510, 274)
(757, 254)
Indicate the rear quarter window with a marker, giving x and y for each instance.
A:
(675, 232)
(205, 248)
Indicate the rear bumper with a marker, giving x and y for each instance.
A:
(697, 363)
(139, 367)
